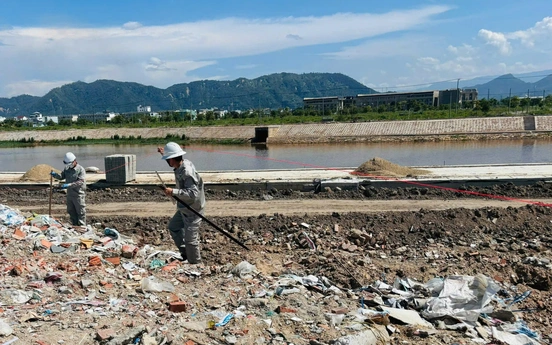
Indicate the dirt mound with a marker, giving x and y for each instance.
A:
(380, 167)
(38, 173)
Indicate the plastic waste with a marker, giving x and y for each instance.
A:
(5, 328)
(335, 319)
(9, 216)
(114, 234)
(11, 341)
(156, 263)
(153, 284)
(244, 270)
(463, 297)
(225, 320)
(280, 291)
(435, 285)
(17, 296)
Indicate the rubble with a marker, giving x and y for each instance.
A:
(429, 277)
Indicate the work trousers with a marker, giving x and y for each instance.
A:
(184, 230)
(76, 207)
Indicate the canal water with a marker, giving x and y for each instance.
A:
(250, 157)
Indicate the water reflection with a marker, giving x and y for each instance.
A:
(260, 157)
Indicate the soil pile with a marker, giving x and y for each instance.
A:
(380, 167)
(38, 173)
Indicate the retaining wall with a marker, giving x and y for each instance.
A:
(491, 125)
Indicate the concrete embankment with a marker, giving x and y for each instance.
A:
(326, 132)
(304, 179)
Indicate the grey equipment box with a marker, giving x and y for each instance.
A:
(120, 169)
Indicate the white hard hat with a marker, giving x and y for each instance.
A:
(69, 158)
(172, 150)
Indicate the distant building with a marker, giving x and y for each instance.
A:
(36, 117)
(98, 117)
(72, 118)
(469, 95)
(54, 119)
(430, 98)
(143, 109)
(323, 104)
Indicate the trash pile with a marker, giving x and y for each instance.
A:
(65, 285)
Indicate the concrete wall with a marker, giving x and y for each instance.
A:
(236, 132)
(330, 130)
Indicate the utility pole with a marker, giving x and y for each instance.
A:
(528, 100)
(457, 95)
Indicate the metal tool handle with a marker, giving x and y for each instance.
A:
(205, 219)
(51, 191)
(164, 186)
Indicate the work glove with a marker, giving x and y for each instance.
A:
(53, 173)
(64, 186)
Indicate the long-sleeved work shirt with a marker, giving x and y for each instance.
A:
(189, 188)
(75, 177)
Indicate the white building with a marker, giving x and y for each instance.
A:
(36, 117)
(54, 119)
(143, 108)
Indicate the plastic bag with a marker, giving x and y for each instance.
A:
(244, 270)
(153, 284)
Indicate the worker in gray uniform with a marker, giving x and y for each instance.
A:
(75, 183)
(184, 225)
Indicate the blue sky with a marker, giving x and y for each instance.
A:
(387, 45)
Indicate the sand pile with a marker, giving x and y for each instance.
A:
(380, 167)
(39, 173)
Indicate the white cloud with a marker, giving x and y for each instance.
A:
(248, 66)
(542, 31)
(407, 45)
(461, 50)
(165, 54)
(496, 39)
(132, 25)
(428, 60)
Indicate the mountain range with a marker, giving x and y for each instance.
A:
(273, 91)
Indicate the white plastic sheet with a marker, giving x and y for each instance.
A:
(462, 297)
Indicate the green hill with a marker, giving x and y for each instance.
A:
(270, 91)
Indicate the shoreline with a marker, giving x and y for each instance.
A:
(295, 140)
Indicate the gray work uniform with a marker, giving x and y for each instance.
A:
(76, 193)
(184, 225)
